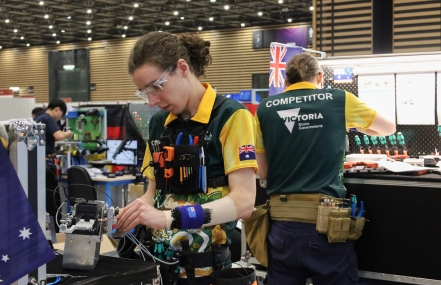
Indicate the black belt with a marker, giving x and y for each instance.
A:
(217, 182)
(189, 261)
(206, 259)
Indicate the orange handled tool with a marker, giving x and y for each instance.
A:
(169, 155)
(158, 158)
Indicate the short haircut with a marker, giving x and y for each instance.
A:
(37, 110)
(54, 103)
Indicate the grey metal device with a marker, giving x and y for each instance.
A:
(83, 228)
(28, 153)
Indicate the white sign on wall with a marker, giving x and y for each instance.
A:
(378, 92)
(415, 99)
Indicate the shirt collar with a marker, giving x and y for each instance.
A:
(300, 85)
(204, 109)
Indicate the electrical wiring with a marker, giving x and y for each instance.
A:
(56, 281)
(143, 248)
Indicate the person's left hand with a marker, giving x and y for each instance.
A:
(140, 212)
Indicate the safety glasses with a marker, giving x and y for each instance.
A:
(154, 88)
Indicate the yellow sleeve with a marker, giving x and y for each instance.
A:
(239, 132)
(4, 142)
(146, 168)
(357, 113)
(260, 147)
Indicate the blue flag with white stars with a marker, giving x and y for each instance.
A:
(23, 246)
(343, 75)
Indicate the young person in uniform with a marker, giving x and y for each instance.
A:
(55, 110)
(300, 148)
(213, 184)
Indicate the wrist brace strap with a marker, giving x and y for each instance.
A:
(215, 213)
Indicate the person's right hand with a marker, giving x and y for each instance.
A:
(140, 213)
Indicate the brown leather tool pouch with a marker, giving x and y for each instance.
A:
(338, 225)
(256, 232)
(341, 226)
(356, 228)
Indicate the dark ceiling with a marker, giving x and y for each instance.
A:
(66, 19)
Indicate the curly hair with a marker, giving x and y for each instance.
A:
(165, 49)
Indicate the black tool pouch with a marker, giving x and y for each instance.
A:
(186, 169)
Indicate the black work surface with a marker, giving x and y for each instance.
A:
(430, 177)
(109, 270)
(403, 233)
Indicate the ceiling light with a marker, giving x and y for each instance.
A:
(259, 13)
(69, 17)
(123, 35)
(63, 31)
(15, 30)
(242, 25)
(89, 38)
(130, 18)
(54, 34)
(211, 19)
(50, 26)
(7, 21)
(135, 5)
(41, 3)
(175, 13)
(182, 18)
(125, 27)
(58, 42)
(21, 38)
(226, 7)
(167, 23)
(28, 44)
(88, 23)
(200, 28)
(212, 1)
(280, 1)
(89, 11)
(311, 8)
(46, 16)
(89, 31)
(69, 67)
(289, 20)
(1, 47)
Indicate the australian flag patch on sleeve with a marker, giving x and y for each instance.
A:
(247, 152)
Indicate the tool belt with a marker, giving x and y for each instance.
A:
(189, 261)
(329, 214)
(295, 207)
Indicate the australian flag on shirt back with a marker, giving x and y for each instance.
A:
(247, 152)
(23, 246)
(280, 55)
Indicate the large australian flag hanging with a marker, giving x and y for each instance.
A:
(280, 56)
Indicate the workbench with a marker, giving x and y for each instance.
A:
(401, 241)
